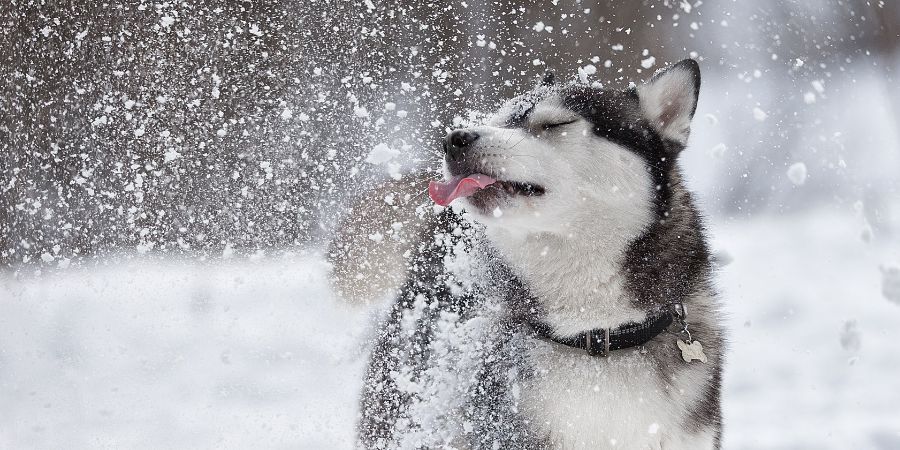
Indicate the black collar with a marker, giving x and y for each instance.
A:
(599, 342)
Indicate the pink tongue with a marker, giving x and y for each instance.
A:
(445, 192)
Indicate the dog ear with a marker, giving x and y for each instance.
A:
(669, 99)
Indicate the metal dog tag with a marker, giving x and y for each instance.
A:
(692, 351)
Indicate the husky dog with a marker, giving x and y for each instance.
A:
(570, 304)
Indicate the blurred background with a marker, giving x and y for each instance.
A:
(171, 171)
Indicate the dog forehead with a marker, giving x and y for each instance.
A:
(607, 104)
(516, 111)
(594, 104)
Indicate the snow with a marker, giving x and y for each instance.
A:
(789, 383)
(890, 283)
(718, 151)
(361, 112)
(759, 114)
(850, 337)
(797, 173)
(179, 355)
(381, 154)
(241, 354)
(585, 72)
(819, 86)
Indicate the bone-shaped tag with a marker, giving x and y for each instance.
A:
(692, 351)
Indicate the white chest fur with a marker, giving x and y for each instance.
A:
(585, 402)
(580, 284)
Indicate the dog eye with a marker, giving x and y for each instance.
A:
(550, 126)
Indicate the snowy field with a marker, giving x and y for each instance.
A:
(260, 353)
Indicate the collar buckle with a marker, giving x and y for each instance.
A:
(596, 342)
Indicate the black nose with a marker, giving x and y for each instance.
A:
(458, 141)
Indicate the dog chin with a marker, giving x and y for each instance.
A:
(504, 212)
(488, 201)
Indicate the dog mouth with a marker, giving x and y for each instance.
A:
(481, 187)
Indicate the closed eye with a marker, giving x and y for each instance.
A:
(550, 126)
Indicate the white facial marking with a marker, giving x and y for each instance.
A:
(598, 198)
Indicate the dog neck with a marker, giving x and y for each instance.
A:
(577, 276)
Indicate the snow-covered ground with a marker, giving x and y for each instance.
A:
(243, 355)
(261, 354)
(797, 375)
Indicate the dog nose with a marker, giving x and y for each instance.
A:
(458, 141)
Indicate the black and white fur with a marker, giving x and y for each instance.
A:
(592, 229)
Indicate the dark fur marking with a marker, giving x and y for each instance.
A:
(666, 262)
(708, 411)
(549, 79)
(617, 117)
(491, 411)
(383, 403)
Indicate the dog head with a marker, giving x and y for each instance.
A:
(561, 157)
